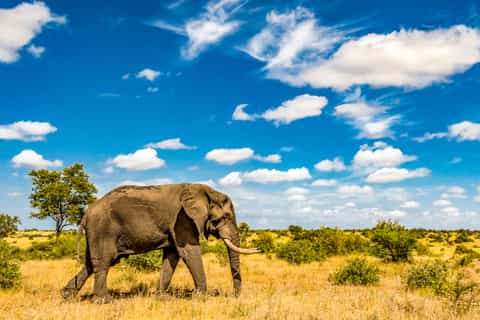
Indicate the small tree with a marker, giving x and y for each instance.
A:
(61, 195)
(8, 224)
(393, 242)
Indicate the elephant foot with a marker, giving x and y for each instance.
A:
(105, 299)
(68, 293)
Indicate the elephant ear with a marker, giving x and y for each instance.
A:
(195, 203)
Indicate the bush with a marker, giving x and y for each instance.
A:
(264, 242)
(463, 295)
(217, 248)
(357, 271)
(431, 274)
(64, 246)
(422, 249)
(300, 251)
(392, 241)
(9, 268)
(149, 261)
(8, 224)
(463, 236)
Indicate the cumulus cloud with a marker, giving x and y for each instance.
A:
(232, 156)
(143, 159)
(232, 179)
(410, 205)
(272, 175)
(36, 51)
(209, 28)
(170, 144)
(405, 58)
(19, 25)
(372, 121)
(149, 182)
(461, 131)
(380, 155)
(26, 131)
(454, 192)
(229, 156)
(300, 107)
(330, 165)
(324, 183)
(33, 160)
(297, 194)
(477, 197)
(388, 175)
(442, 203)
(451, 211)
(352, 190)
(148, 74)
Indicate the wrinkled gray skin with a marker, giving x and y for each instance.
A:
(132, 220)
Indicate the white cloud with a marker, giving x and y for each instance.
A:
(241, 115)
(126, 76)
(380, 155)
(232, 156)
(455, 192)
(410, 205)
(152, 89)
(465, 131)
(272, 175)
(297, 190)
(232, 179)
(149, 182)
(36, 51)
(330, 165)
(26, 130)
(352, 190)
(209, 28)
(290, 40)
(19, 25)
(430, 136)
(148, 74)
(388, 175)
(441, 203)
(15, 194)
(143, 159)
(108, 169)
(372, 121)
(31, 159)
(300, 107)
(405, 58)
(451, 211)
(229, 156)
(271, 158)
(170, 144)
(324, 183)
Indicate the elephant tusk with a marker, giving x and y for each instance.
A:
(240, 250)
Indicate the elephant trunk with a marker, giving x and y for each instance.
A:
(234, 257)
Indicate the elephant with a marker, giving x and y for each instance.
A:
(172, 217)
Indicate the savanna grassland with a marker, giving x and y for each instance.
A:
(276, 284)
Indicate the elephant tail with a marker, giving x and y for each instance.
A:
(81, 228)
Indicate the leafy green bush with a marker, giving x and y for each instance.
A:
(264, 242)
(9, 268)
(300, 251)
(357, 271)
(463, 236)
(392, 241)
(217, 248)
(422, 249)
(463, 295)
(149, 261)
(430, 274)
(8, 224)
(63, 247)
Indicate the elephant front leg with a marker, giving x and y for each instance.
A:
(170, 261)
(194, 262)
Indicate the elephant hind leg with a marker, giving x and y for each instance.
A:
(104, 255)
(170, 261)
(76, 283)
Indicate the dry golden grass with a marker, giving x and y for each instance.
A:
(272, 289)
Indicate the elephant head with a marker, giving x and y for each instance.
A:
(213, 214)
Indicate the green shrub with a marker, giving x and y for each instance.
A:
(392, 241)
(217, 248)
(264, 242)
(463, 236)
(463, 295)
(63, 247)
(149, 261)
(431, 275)
(422, 249)
(8, 224)
(357, 271)
(300, 251)
(9, 268)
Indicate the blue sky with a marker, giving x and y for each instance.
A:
(312, 113)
